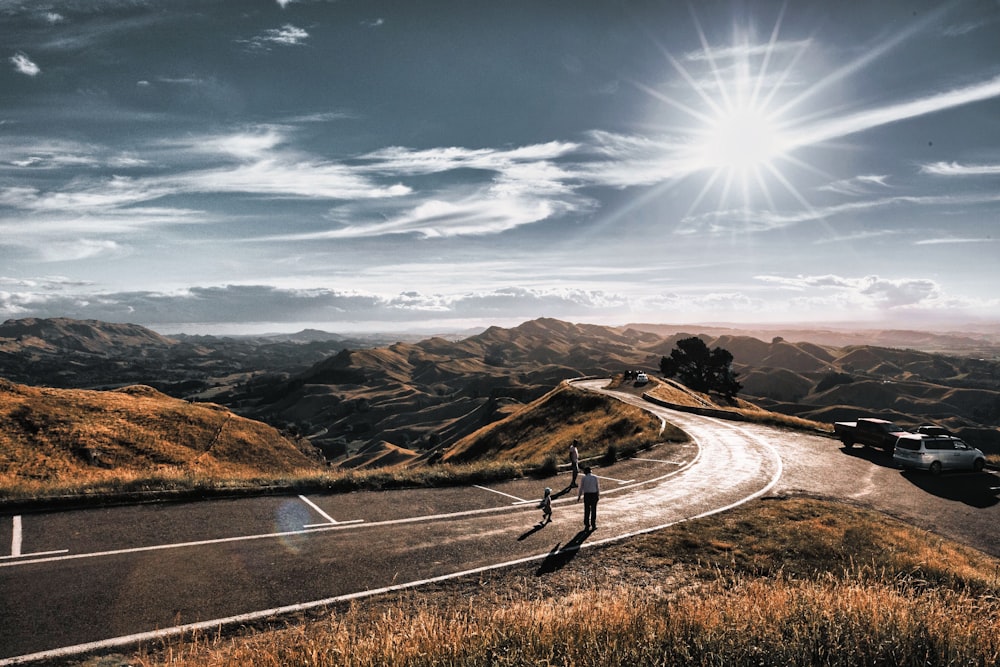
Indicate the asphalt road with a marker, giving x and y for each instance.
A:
(99, 578)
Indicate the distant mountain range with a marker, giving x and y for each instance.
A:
(349, 395)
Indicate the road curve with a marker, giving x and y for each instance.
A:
(97, 579)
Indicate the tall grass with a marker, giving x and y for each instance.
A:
(798, 597)
(729, 622)
(166, 482)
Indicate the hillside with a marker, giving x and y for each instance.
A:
(351, 396)
(81, 439)
(548, 425)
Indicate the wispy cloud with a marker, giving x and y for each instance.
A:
(848, 124)
(726, 221)
(744, 51)
(953, 241)
(875, 291)
(957, 169)
(856, 186)
(231, 303)
(24, 65)
(286, 35)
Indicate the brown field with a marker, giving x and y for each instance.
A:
(547, 426)
(113, 445)
(776, 582)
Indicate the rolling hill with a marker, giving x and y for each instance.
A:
(351, 397)
(106, 439)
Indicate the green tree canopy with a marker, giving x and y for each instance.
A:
(701, 369)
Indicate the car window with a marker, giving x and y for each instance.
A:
(912, 445)
(940, 444)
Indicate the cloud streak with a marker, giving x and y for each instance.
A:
(24, 65)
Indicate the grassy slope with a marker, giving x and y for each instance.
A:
(547, 426)
(775, 582)
(61, 441)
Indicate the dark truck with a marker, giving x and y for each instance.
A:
(868, 431)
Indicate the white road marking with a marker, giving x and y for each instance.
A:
(335, 523)
(313, 505)
(673, 463)
(620, 481)
(16, 543)
(520, 500)
(268, 613)
(15, 540)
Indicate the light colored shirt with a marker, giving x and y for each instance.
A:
(588, 485)
(574, 457)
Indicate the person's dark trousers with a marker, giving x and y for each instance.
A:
(590, 510)
(575, 472)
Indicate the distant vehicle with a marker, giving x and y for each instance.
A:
(933, 429)
(936, 453)
(641, 378)
(879, 433)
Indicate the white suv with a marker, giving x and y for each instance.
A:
(936, 453)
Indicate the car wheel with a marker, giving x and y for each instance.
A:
(978, 465)
(848, 443)
(935, 468)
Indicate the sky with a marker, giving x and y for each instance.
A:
(241, 166)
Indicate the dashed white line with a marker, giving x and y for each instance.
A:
(316, 507)
(335, 523)
(16, 543)
(612, 479)
(520, 500)
(15, 540)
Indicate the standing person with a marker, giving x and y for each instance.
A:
(590, 490)
(574, 460)
(546, 506)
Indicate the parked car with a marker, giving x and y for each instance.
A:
(870, 432)
(936, 453)
(933, 429)
(641, 378)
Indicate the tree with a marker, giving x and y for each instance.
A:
(700, 369)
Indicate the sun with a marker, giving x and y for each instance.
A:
(740, 132)
(739, 140)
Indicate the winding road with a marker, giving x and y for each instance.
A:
(91, 580)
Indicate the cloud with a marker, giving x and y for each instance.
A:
(246, 303)
(742, 52)
(24, 65)
(856, 186)
(959, 29)
(847, 124)
(871, 291)
(953, 241)
(956, 169)
(725, 221)
(373, 23)
(286, 35)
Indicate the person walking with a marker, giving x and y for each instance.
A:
(546, 506)
(574, 461)
(590, 491)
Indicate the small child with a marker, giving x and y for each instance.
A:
(546, 506)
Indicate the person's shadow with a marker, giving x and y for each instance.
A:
(534, 529)
(560, 556)
(560, 494)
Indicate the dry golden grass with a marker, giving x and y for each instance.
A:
(547, 426)
(819, 584)
(62, 441)
(120, 444)
(678, 394)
